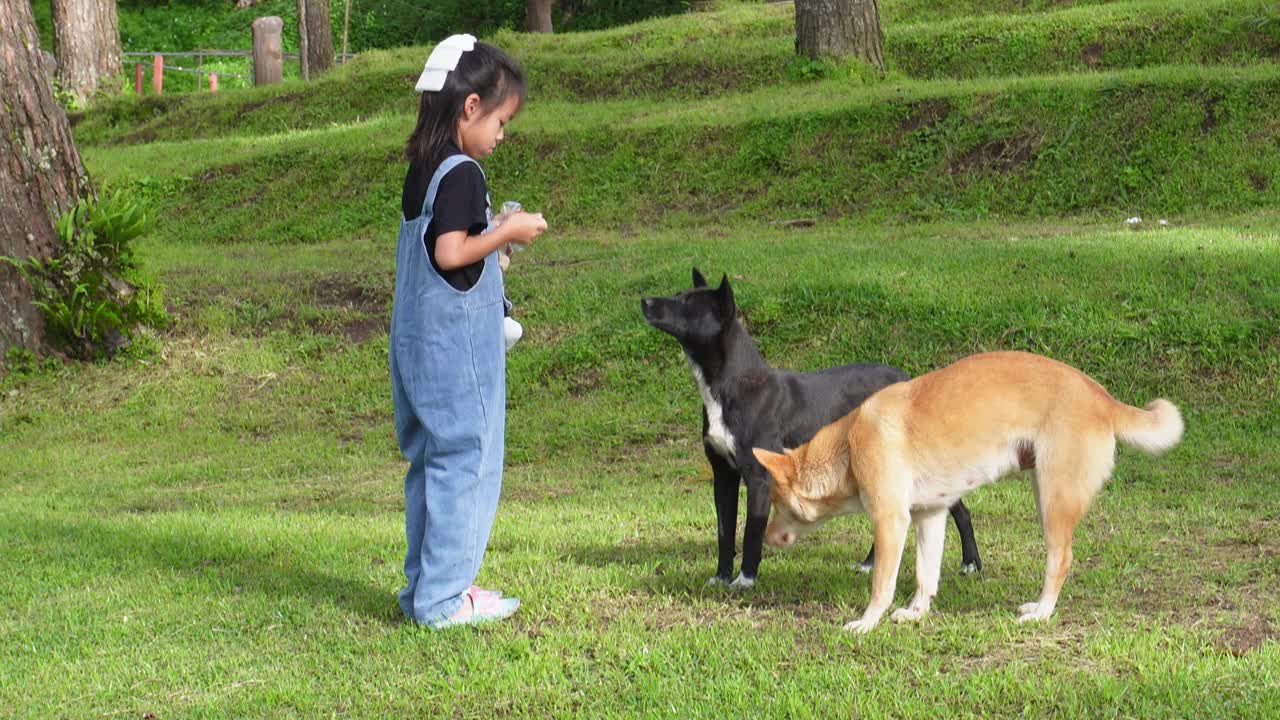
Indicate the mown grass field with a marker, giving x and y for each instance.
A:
(211, 525)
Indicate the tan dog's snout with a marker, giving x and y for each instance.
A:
(777, 537)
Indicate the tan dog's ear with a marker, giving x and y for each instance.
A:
(781, 467)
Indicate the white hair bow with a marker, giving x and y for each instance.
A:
(442, 60)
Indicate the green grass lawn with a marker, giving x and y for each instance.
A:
(211, 524)
(213, 528)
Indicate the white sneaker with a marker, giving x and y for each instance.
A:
(512, 331)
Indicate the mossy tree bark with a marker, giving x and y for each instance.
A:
(315, 37)
(41, 175)
(538, 16)
(840, 28)
(107, 29)
(86, 40)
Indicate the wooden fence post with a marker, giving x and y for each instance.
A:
(157, 73)
(137, 78)
(267, 56)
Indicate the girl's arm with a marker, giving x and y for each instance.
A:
(457, 249)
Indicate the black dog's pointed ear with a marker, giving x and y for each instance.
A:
(698, 280)
(724, 291)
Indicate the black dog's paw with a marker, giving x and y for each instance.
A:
(970, 568)
(717, 581)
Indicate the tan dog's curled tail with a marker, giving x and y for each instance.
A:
(1152, 430)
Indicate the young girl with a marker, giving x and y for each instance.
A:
(448, 361)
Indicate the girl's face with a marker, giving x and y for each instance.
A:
(480, 131)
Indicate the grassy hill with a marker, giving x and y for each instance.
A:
(211, 524)
(738, 49)
(1118, 108)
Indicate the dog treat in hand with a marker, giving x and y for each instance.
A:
(509, 207)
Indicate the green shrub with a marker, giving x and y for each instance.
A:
(92, 294)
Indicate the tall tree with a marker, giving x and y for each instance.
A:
(538, 16)
(108, 41)
(840, 28)
(315, 37)
(41, 175)
(75, 44)
(86, 39)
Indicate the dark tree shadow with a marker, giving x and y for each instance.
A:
(204, 555)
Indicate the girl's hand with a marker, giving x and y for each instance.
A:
(525, 226)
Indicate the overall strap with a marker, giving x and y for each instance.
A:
(448, 164)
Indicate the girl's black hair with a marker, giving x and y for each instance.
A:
(486, 71)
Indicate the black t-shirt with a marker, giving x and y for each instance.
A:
(461, 204)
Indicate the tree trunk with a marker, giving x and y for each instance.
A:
(346, 25)
(315, 37)
(538, 16)
(75, 37)
(108, 32)
(304, 66)
(840, 28)
(267, 57)
(41, 175)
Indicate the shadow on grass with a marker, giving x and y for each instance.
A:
(210, 556)
(819, 572)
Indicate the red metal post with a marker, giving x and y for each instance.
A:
(213, 82)
(157, 74)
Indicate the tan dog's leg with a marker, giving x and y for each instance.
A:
(931, 533)
(1067, 478)
(890, 525)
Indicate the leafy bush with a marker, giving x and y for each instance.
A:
(92, 294)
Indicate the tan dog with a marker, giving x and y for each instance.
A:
(912, 449)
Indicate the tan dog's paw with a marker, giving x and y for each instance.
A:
(907, 614)
(861, 626)
(1032, 611)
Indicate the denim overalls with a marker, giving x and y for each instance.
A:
(449, 387)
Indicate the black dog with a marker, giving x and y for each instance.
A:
(746, 403)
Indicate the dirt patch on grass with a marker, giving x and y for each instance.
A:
(925, 114)
(357, 307)
(1259, 180)
(1001, 155)
(1091, 54)
(363, 311)
(343, 291)
(1199, 592)
(358, 425)
(1247, 636)
(1211, 119)
(221, 171)
(583, 381)
(359, 331)
(1059, 639)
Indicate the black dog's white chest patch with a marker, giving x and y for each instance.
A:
(718, 435)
